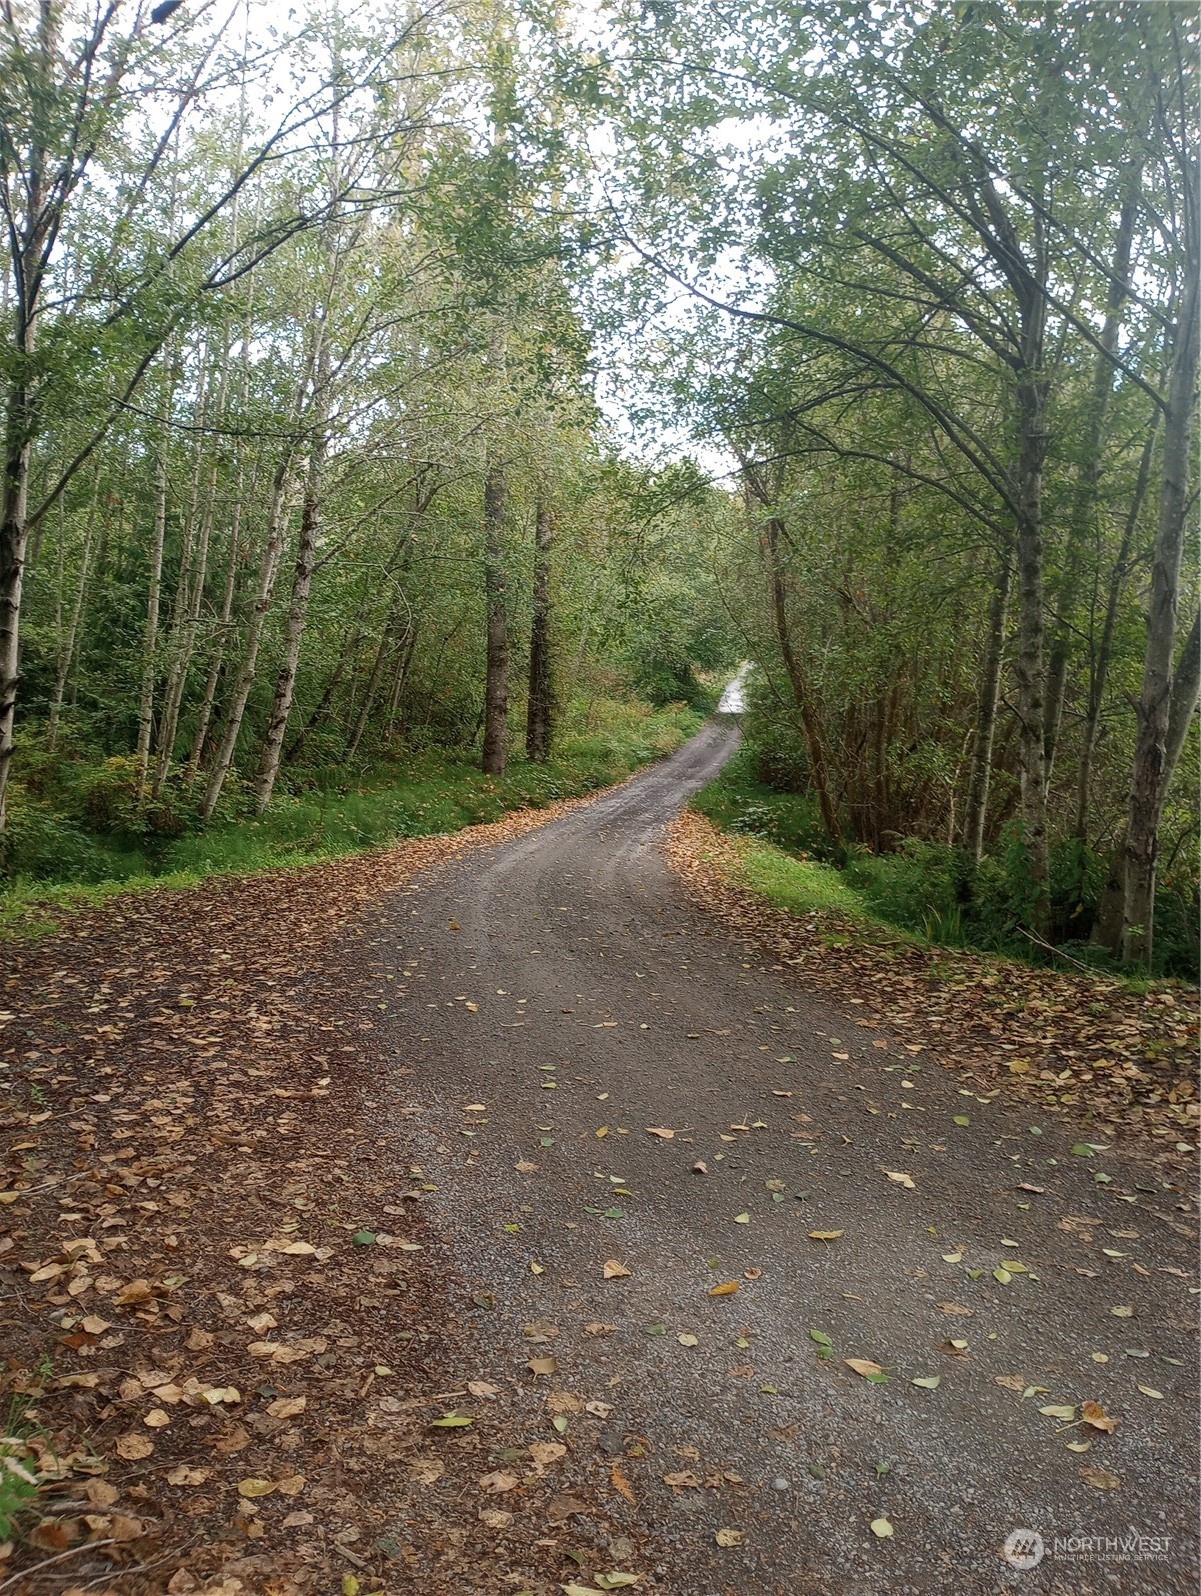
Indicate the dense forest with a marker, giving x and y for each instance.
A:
(387, 389)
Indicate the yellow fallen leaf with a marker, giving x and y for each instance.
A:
(901, 1178)
(726, 1289)
(728, 1537)
(1149, 1390)
(253, 1487)
(882, 1528)
(183, 1475)
(863, 1366)
(826, 1235)
(661, 1132)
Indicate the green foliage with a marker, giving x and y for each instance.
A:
(929, 890)
(423, 795)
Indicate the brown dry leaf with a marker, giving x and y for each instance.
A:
(425, 1470)
(684, 1480)
(541, 1366)
(700, 1167)
(1093, 1413)
(287, 1407)
(198, 1340)
(546, 1452)
(182, 1474)
(622, 1486)
(100, 1493)
(291, 1484)
(661, 1132)
(296, 1519)
(484, 1389)
(498, 1482)
(956, 1307)
(599, 1410)
(1100, 1479)
(494, 1517)
(615, 1270)
(1011, 1382)
(253, 1487)
(901, 1178)
(564, 1402)
(729, 1537)
(133, 1447)
(236, 1438)
(826, 1235)
(863, 1366)
(156, 1419)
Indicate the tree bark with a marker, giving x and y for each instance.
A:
(976, 817)
(268, 569)
(818, 763)
(540, 709)
(1031, 555)
(1084, 504)
(302, 582)
(1099, 670)
(67, 650)
(496, 683)
(1151, 773)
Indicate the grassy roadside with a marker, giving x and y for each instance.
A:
(430, 794)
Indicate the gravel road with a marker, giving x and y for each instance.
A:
(563, 982)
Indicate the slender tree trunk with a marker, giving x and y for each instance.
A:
(1099, 671)
(976, 816)
(191, 591)
(67, 650)
(1084, 504)
(1151, 774)
(818, 764)
(540, 710)
(302, 582)
(268, 570)
(496, 685)
(1031, 664)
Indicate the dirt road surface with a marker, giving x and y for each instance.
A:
(572, 1040)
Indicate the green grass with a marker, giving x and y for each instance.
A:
(428, 794)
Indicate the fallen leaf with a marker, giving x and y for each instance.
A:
(882, 1528)
(451, 1421)
(133, 1447)
(901, 1178)
(621, 1485)
(956, 1307)
(729, 1537)
(1149, 1390)
(742, 1219)
(726, 1289)
(825, 1235)
(544, 1452)
(183, 1475)
(1059, 1411)
(1093, 1413)
(615, 1270)
(929, 1382)
(868, 1369)
(255, 1487)
(287, 1407)
(1122, 1313)
(1100, 1479)
(497, 1483)
(543, 1366)
(661, 1132)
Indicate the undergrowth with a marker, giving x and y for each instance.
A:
(928, 890)
(77, 838)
